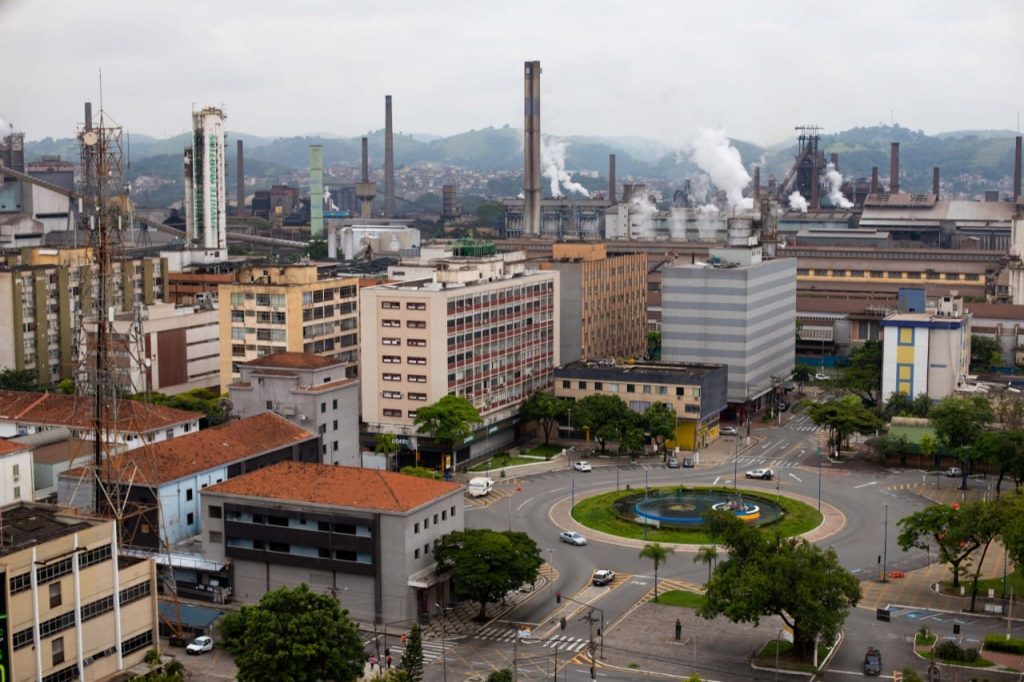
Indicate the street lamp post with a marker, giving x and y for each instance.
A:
(444, 646)
(885, 545)
(819, 479)
(735, 459)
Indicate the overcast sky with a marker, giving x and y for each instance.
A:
(659, 69)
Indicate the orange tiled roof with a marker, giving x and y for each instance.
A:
(57, 409)
(178, 457)
(337, 486)
(7, 447)
(289, 360)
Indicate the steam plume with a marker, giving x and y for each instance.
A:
(552, 157)
(834, 181)
(797, 202)
(713, 153)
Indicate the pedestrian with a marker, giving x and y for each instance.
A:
(388, 660)
(373, 663)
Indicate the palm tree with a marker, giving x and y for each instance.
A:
(658, 554)
(707, 554)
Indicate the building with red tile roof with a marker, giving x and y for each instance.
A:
(15, 473)
(364, 535)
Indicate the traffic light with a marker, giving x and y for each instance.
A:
(558, 597)
(561, 622)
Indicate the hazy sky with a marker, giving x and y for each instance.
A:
(659, 69)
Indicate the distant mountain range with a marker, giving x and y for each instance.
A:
(971, 161)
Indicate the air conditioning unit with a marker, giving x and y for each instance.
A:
(303, 418)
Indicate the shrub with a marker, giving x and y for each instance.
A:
(997, 642)
(971, 655)
(949, 651)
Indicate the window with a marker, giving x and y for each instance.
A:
(391, 323)
(394, 360)
(444, 514)
(335, 426)
(390, 305)
(418, 343)
(270, 404)
(426, 548)
(416, 324)
(392, 413)
(647, 389)
(216, 537)
(417, 361)
(662, 390)
(435, 519)
(57, 649)
(190, 518)
(566, 384)
(418, 396)
(415, 306)
(598, 385)
(391, 341)
(323, 408)
(17, 492)
(411, 414)
(582, 385)
(630, 388)
(188, 494)
(417, 378)
(416, 527)
(416, 553)
(426, 523)
(334, 406)
(393, 395)
(55, 600)
(680, 391)
(215, 512)
(391, 376)
(453, 512)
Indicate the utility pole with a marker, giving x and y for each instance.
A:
(591, 647)
(515, 655)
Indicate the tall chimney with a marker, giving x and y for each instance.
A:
(240, 180)
(835, 160)
(366, 160)
(935, 182)
(874, 179)
(894, 169)
(88, 115)
(316, 191)
(816, 183)
(611, 178)
(1016, 171)
(389, 161)
(757, 185)
(531, 151)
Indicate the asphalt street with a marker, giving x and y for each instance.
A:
(864, 543)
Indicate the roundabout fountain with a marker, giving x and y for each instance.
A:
(685, 508)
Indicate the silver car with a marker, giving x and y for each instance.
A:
(572, 537)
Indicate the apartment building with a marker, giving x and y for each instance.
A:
(15, 473)
(45, 292)
(363, 536)
(602, 302)
(926, 352)
(309, 391)
(73, 608)
(296, 308)
(483, 327)
(697, 393)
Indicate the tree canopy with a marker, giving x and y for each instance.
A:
(986, 353)
(660, 421)
(412, 657)
(863, 377)
(19, 380)
(844, 417)
(485, 564)
(545, 409)
(603, 415)
(294, 634)
(766, 575)
(450, 420)
(658, 554)
(205, 400)
(1003, 451)
(960, 421)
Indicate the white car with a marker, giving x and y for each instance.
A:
(582, 465)
(820, 376)
(729, 431)
(572, 537)
(603, 576)
(763, 474)
(200, 645)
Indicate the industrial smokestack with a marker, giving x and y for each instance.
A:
(894, 169)
(366, 160)
(874, 179)
(816, 183)
(1016, 171)
(757, 185)
(389, 161)
(88, 115)
(935, 182)
(835, 160)
(531, 151)
(611, 178)
(240, 180)
(316, 190)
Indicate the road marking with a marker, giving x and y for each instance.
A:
(864, 485)
(715, 482)
(558, 490)
(794, 476)
(525, 502)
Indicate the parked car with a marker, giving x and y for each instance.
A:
(688, 463)
(603, 576)
(199, 645)
(672, 463)
(729, 431)
(820, 376)
(873, 662)
(582, 465)
(572, 537)
(763, 474)
(953, 472)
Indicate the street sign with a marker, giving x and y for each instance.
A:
(883, 615)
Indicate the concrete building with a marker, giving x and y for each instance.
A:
(697, 393)
(295, 308)
(161, 483)
(601, 302)
(15, 473)
(366, 537)
(136, 423)
(205, 200)
(53, 170)
(308, 390)
(46, 292)
(163, 347)
(737, 310)
(73, 608)
(927, 352)
(483, 327)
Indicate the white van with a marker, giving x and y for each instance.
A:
(480, 486)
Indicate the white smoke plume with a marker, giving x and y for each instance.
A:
(713, 153)
(797, 202)
(331, 206)
(641, 212)
(834, 182)
(677, 223)
(699, 189)
(552, 158)
(707, 222)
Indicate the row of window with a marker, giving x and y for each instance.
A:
(410, 305)
(397, 395)
(322, 295)
(391, 412)
(397, 360)
(57, 569)
(891, 274)
(647, 389)
(411, 324)
(392, 341)
(495, 297)
(442, 515)
(413, 378)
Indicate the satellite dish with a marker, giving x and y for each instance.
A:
(90, 138)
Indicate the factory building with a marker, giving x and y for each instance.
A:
(601, 302)
(205, 200)
(482, 327)
(31, 210)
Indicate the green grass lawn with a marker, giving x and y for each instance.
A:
(1014, 581)
(690, 600)
(500, 462)
(545, 451)
(913, 434)
(597, 513)
(921, 639)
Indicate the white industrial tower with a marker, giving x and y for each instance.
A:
(205, 203)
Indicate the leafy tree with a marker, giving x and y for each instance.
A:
(485, 564)
(66, 386)
(412, 657)
(205, 400)
(893, 445)
(802, 374)
(946, 528)
(18, 380)
(921, 406)
(631, 433)
(654, 345)
(545, 408)
(603, 416)
(985, 520)
(316, 249)
(421, 472)
(843, 418)
(450, 420)
(386, 444)
(658, 554)
(766, 575)
(503, 675)
(1004, 451)
(294, 634)
(959, 422)
(1009, 410)
(707, 554)
(929, 448)
(986, 353)
(863, 377)
(1013, 527)
(660, 421)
